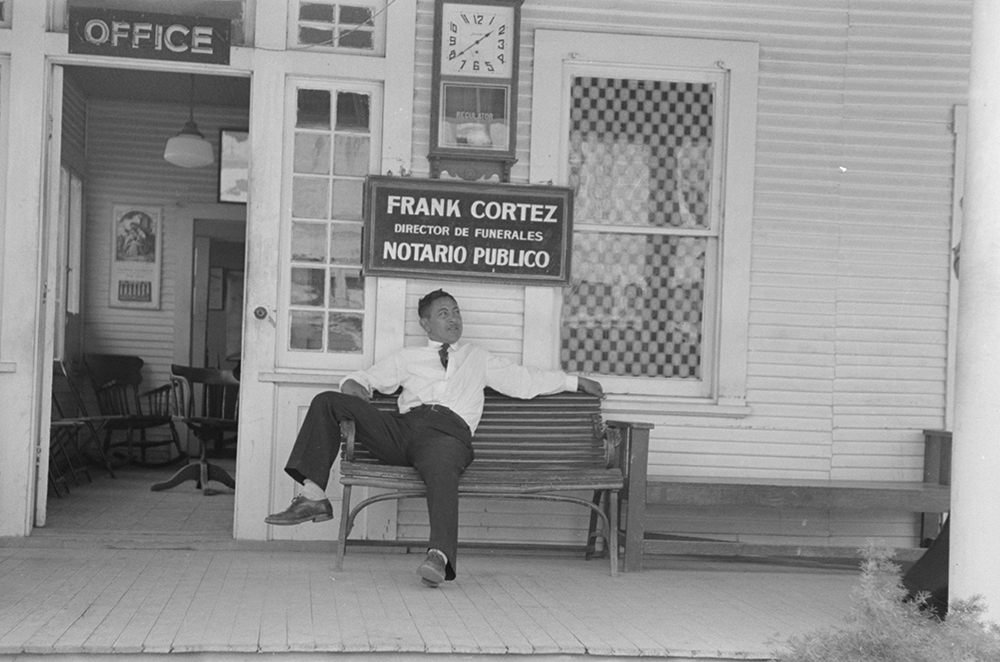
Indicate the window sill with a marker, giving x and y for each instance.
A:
(652, 405)
(302, 377)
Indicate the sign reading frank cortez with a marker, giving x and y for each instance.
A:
(448, 229)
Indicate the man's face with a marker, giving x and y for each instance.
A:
(444, 321)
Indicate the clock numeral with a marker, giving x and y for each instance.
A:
(462, 66)
(465, 18)
(452, 54)
(453, 26)
(501, 58)
(478, 19)
(502, 29)
(475, 65)
(452, 40)
(502, 44)
(489, 66)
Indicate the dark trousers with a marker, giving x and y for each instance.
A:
(432, 439)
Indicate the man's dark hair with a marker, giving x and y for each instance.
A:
(424, 305)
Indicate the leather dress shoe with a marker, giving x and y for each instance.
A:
(302, 510)
(432, 570)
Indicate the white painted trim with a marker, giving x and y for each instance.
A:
(390, 316)
(397, 97)
(258, 421)
(5, 70)
(960, 127)
(542, 312)
(49, 243)
(21, 334)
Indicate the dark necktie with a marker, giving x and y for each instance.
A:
(443, 353)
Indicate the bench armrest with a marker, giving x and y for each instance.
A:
(631, 441)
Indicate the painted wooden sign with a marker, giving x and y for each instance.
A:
(120, 33)
(468, 231)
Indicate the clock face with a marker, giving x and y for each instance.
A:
(477, 40)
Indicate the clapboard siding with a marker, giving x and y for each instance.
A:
(125, 166)
(851, 228)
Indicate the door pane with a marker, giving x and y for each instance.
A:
(312, 153)
(308, 242)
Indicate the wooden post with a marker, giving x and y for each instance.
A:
(637, 455)
(975, 487)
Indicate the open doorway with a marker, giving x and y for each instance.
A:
(115, 125)
(217, 302)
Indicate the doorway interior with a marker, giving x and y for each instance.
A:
(114, 127)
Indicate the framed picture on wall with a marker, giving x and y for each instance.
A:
(234, 165)
(136, 254)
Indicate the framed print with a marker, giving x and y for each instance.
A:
(234, 165)
(136, 254)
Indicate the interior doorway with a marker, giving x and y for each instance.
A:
(217, 301)
(114, 126)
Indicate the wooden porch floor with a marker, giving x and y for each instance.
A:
(121, 570)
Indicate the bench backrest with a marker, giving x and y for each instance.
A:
(550, 432)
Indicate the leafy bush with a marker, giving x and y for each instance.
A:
(883, 626)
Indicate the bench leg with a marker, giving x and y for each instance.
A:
(612, 539)
(345, 513)
(593, 531)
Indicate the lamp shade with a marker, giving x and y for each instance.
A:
(189, 149)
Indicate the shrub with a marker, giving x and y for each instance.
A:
(883, 626)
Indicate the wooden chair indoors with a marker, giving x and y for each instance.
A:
(65, 462)
(213, 421)
(70, 406)
(117, 380)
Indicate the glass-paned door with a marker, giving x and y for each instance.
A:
(334, 145)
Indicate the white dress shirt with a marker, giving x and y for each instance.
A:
(459, 388)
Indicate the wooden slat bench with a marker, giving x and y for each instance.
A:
(543, 448)
(930, 496)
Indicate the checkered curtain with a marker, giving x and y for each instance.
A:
(640, 161)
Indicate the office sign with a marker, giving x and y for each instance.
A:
(469, 231)
(120, 33)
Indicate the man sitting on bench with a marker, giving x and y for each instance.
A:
(440, 406)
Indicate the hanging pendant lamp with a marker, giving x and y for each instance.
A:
(189, 149)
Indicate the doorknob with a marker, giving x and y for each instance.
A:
(260, 312)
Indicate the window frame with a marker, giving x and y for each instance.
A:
(559, 57)
(378, 29)
(4, 160)
(286, 357)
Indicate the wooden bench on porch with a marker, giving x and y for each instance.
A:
(928, 498)
(544, 448)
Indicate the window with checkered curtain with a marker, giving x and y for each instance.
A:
(640, 159)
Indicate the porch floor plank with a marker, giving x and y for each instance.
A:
(98, 583)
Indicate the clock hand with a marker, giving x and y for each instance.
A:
(476, 42)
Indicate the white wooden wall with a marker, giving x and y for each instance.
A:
(850, 255)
